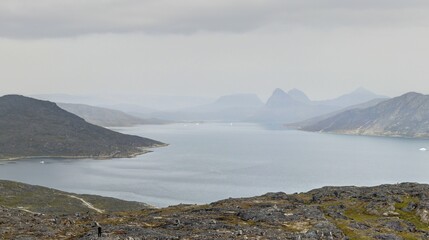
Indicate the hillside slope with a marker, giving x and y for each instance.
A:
(50, 201)
(403, 116)
(32, 128)
(106, 117)
(320, 118)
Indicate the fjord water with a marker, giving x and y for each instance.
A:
(212, 161)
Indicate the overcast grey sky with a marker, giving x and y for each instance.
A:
(195, 47)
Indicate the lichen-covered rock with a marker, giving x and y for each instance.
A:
(326, 213)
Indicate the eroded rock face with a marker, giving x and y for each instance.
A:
(382, 212)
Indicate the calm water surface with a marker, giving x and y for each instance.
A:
(209, 162)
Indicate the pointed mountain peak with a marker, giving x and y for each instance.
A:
(299, 95)
(280, 98)
(295, 90)
(279, 91)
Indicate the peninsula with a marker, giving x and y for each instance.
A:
(35, 128)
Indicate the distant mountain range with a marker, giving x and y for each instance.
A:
(107, 117)
(234, 107)
(33, 128)
(287, 107)
(128, 102)
(358, 96)
(403, 116)
(281, 108)
(294, 106)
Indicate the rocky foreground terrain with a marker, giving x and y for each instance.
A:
(399, 211)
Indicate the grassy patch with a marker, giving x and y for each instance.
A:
(358, 213)
(410, 216)
(351, 233)
(354, 211)
(234, 220)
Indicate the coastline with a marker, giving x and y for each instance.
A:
(350, 133)
(143, 150)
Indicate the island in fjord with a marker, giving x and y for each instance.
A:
(35, 128)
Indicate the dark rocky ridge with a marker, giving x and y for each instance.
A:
(32, 128)
(398, 211)
(403, 116)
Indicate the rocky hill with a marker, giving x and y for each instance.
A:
(320, 118)
(106, 117)
(32, 128)
(403, 116)
(399, 211)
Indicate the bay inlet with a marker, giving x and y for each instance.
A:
(212, 161)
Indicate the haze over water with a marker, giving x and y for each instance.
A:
(213, 161)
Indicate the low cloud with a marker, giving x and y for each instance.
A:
(71, 18)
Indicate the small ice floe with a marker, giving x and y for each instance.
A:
(42, 162)
(423, 149)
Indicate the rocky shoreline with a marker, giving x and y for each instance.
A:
(399, 211)
(142, 150)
